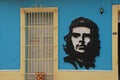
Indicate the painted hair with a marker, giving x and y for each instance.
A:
(93, 48)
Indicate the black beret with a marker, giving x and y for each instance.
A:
(83, 22)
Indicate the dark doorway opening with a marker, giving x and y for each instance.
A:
(119, 49)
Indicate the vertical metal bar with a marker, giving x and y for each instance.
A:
(52, 32)
(38, 43)
(36, 68)
(52, 44)
(31, 44)
(39, 51)
(35, 39)
(28, 26)
(47, 40)
(27, 47)
(42, 40)
(26, 44)
(49, 45)
(45, 47)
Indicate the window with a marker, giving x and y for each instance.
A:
(39, 43)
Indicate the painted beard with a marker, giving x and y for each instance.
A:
(82, 52)
(82, 59)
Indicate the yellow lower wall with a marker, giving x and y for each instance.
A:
(65, 75)
(11, 75)
(83, 75)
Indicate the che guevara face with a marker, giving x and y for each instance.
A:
(80, 38)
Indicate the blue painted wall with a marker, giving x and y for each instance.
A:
(68, 10)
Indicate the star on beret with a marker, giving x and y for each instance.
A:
(82, 21)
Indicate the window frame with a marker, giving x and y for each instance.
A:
(23, 11)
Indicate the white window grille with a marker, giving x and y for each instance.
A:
(40, 53)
